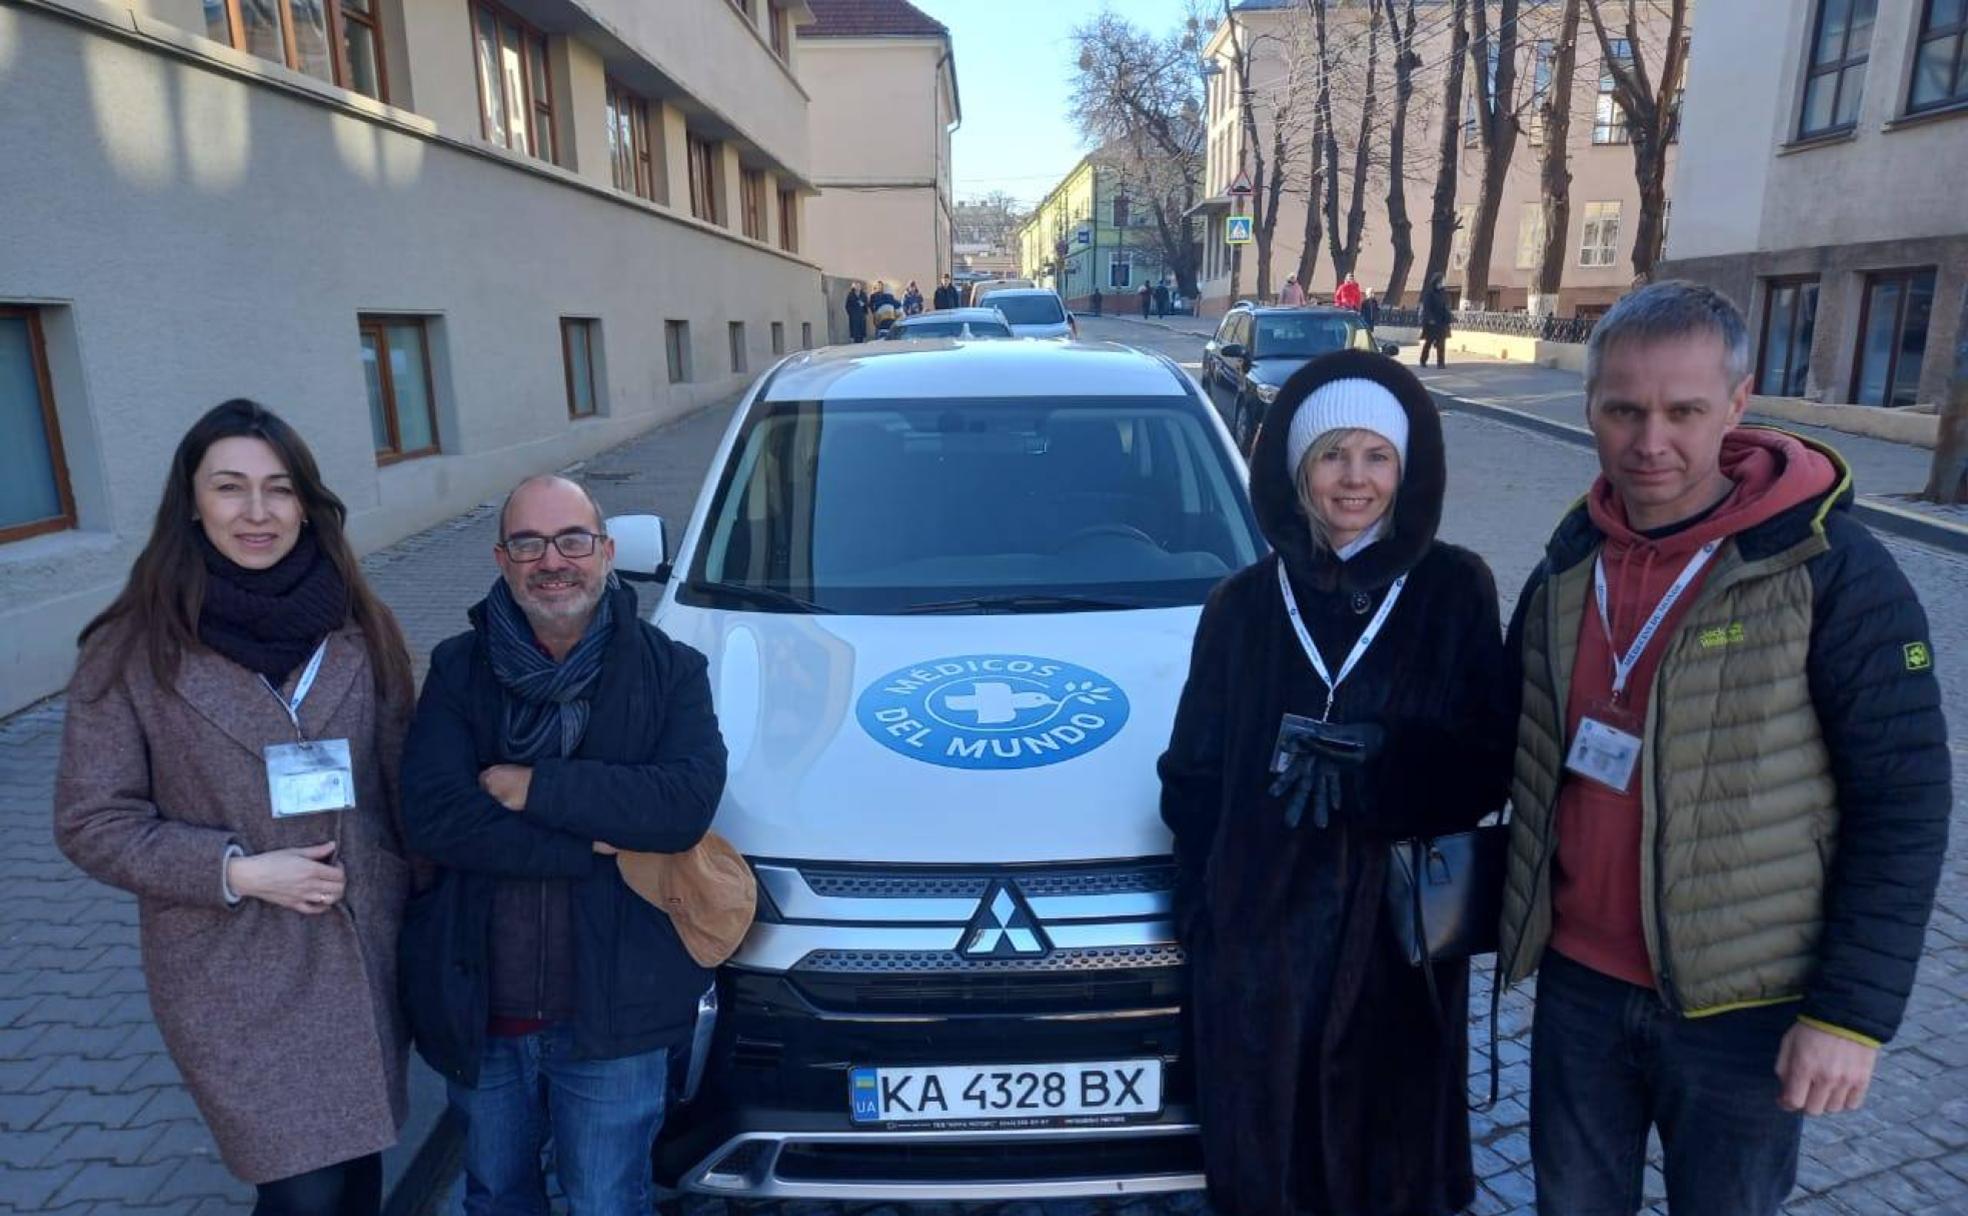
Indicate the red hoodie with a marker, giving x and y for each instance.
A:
(1596, 872)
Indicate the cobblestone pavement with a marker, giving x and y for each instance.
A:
(94, 1122)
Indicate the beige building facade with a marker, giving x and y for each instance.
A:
(453, 242)
(885, 102)
(1605, 201)
(1824, 187)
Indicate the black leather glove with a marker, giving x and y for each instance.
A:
(1320, 763)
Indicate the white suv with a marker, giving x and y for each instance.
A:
(1035, 312)
(947, 594)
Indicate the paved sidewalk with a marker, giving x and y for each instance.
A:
(94, 1118)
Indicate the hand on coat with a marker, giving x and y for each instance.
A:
(508, 783)
(299, 880)
(1823, 1073)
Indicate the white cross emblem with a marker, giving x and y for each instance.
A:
(987, 936)
(995, 703)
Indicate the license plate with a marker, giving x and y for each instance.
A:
(1023, 1093)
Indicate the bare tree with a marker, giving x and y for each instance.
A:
(1442, 215)
(1346, 252)
(1493, 57)
(1314, 234)
(1400, 230)
(1137, 96)
(1555, 174)
(1948, 483)
(1270, 169)
(1651, 113)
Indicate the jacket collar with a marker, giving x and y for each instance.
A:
(237, 701)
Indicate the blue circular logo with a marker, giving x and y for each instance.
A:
(992, 711)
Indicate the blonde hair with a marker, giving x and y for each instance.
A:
(1302, 480)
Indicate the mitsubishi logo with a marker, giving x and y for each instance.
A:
(1004, 927)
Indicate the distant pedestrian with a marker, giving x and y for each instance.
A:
(1370, 312)
(1435, 317)
(1147, 295)
(1293, 296)
(229, 756)
(857, 314)
(1161, 299)
(1096, 301)
(884, 307)
(912, 300)
(946, 295)
(1348, 294)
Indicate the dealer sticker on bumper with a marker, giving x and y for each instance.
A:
(1113, 1089)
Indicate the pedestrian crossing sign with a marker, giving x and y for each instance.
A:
(1237, 230)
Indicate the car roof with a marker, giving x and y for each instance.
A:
(1026, 291)
(1310, 310)
(955, 314)
(997, 368)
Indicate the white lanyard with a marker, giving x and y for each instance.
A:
(1333, 682)
(1623, 666)
(293, 707)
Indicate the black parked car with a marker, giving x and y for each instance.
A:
(1256, 349)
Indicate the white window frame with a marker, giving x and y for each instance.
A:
(1599, 234)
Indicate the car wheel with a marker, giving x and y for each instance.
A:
(1245, 428)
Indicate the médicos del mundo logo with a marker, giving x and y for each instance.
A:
(992, 711)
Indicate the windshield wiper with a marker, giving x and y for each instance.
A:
(1023, 603)
(764, 597)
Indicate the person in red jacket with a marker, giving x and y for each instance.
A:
(1349, 294)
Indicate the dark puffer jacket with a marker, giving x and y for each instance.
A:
(1326, 1082)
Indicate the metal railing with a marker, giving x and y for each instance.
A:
(1521, 324)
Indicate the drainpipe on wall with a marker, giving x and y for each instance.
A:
(950, 128)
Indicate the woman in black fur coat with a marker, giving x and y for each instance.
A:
(1326, 1083)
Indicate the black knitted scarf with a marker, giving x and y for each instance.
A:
(270, 620)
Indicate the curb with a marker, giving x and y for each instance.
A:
(1875, 513)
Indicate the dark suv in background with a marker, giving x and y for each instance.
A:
(1255, 350)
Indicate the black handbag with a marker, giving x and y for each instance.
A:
(1444, 902)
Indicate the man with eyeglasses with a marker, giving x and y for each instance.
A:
(558, 730)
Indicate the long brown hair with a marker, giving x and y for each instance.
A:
(158, 608)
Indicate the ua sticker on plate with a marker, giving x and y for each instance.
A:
(992, 711)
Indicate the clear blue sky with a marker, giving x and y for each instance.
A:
(1014, 69)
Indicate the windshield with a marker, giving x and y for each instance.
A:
(1284, 337)
(955, 329)
(883, 507)
(1029, 310)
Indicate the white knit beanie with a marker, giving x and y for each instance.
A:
(1341, 405)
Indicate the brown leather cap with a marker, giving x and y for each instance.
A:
(708, 892)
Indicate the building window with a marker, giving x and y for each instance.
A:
(743, 7)
(789, 220)
(1542, 53)
(737, 346)
(676, 346)
(304, 35)
(515, 89)
(1530, 235)
(1841, 40)
(1940, 68)
(780, 30)
(396, 365)
(1608, 120)
(1599, 238)
(806, 335)
(703, 179)
(628, 143)
(778, 337)
(1122, 206)
(577, 351)
(1120, 271)
(34, 492)
(1790, 314)
(751, 202)
(1893, 337)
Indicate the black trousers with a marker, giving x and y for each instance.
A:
(347, 1188)
(1440, 342)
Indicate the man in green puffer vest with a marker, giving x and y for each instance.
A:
(1731, 790)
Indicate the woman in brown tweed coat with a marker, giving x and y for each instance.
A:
(268, 942)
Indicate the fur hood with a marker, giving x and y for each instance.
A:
(1417, 509)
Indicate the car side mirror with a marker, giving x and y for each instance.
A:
(1390, 349)
(642, 547)
(1230, 350)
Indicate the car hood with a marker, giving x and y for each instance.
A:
(1275, 371)
(942, 739)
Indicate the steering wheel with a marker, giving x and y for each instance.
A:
(1127, 531)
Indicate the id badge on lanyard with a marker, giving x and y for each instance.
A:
(1606, 748)
(308, 776)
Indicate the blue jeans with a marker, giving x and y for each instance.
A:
(1608, 1060)
(602, 1116)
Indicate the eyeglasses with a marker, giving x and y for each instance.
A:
(533, 548)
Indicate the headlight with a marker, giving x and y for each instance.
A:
(1267, 393)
